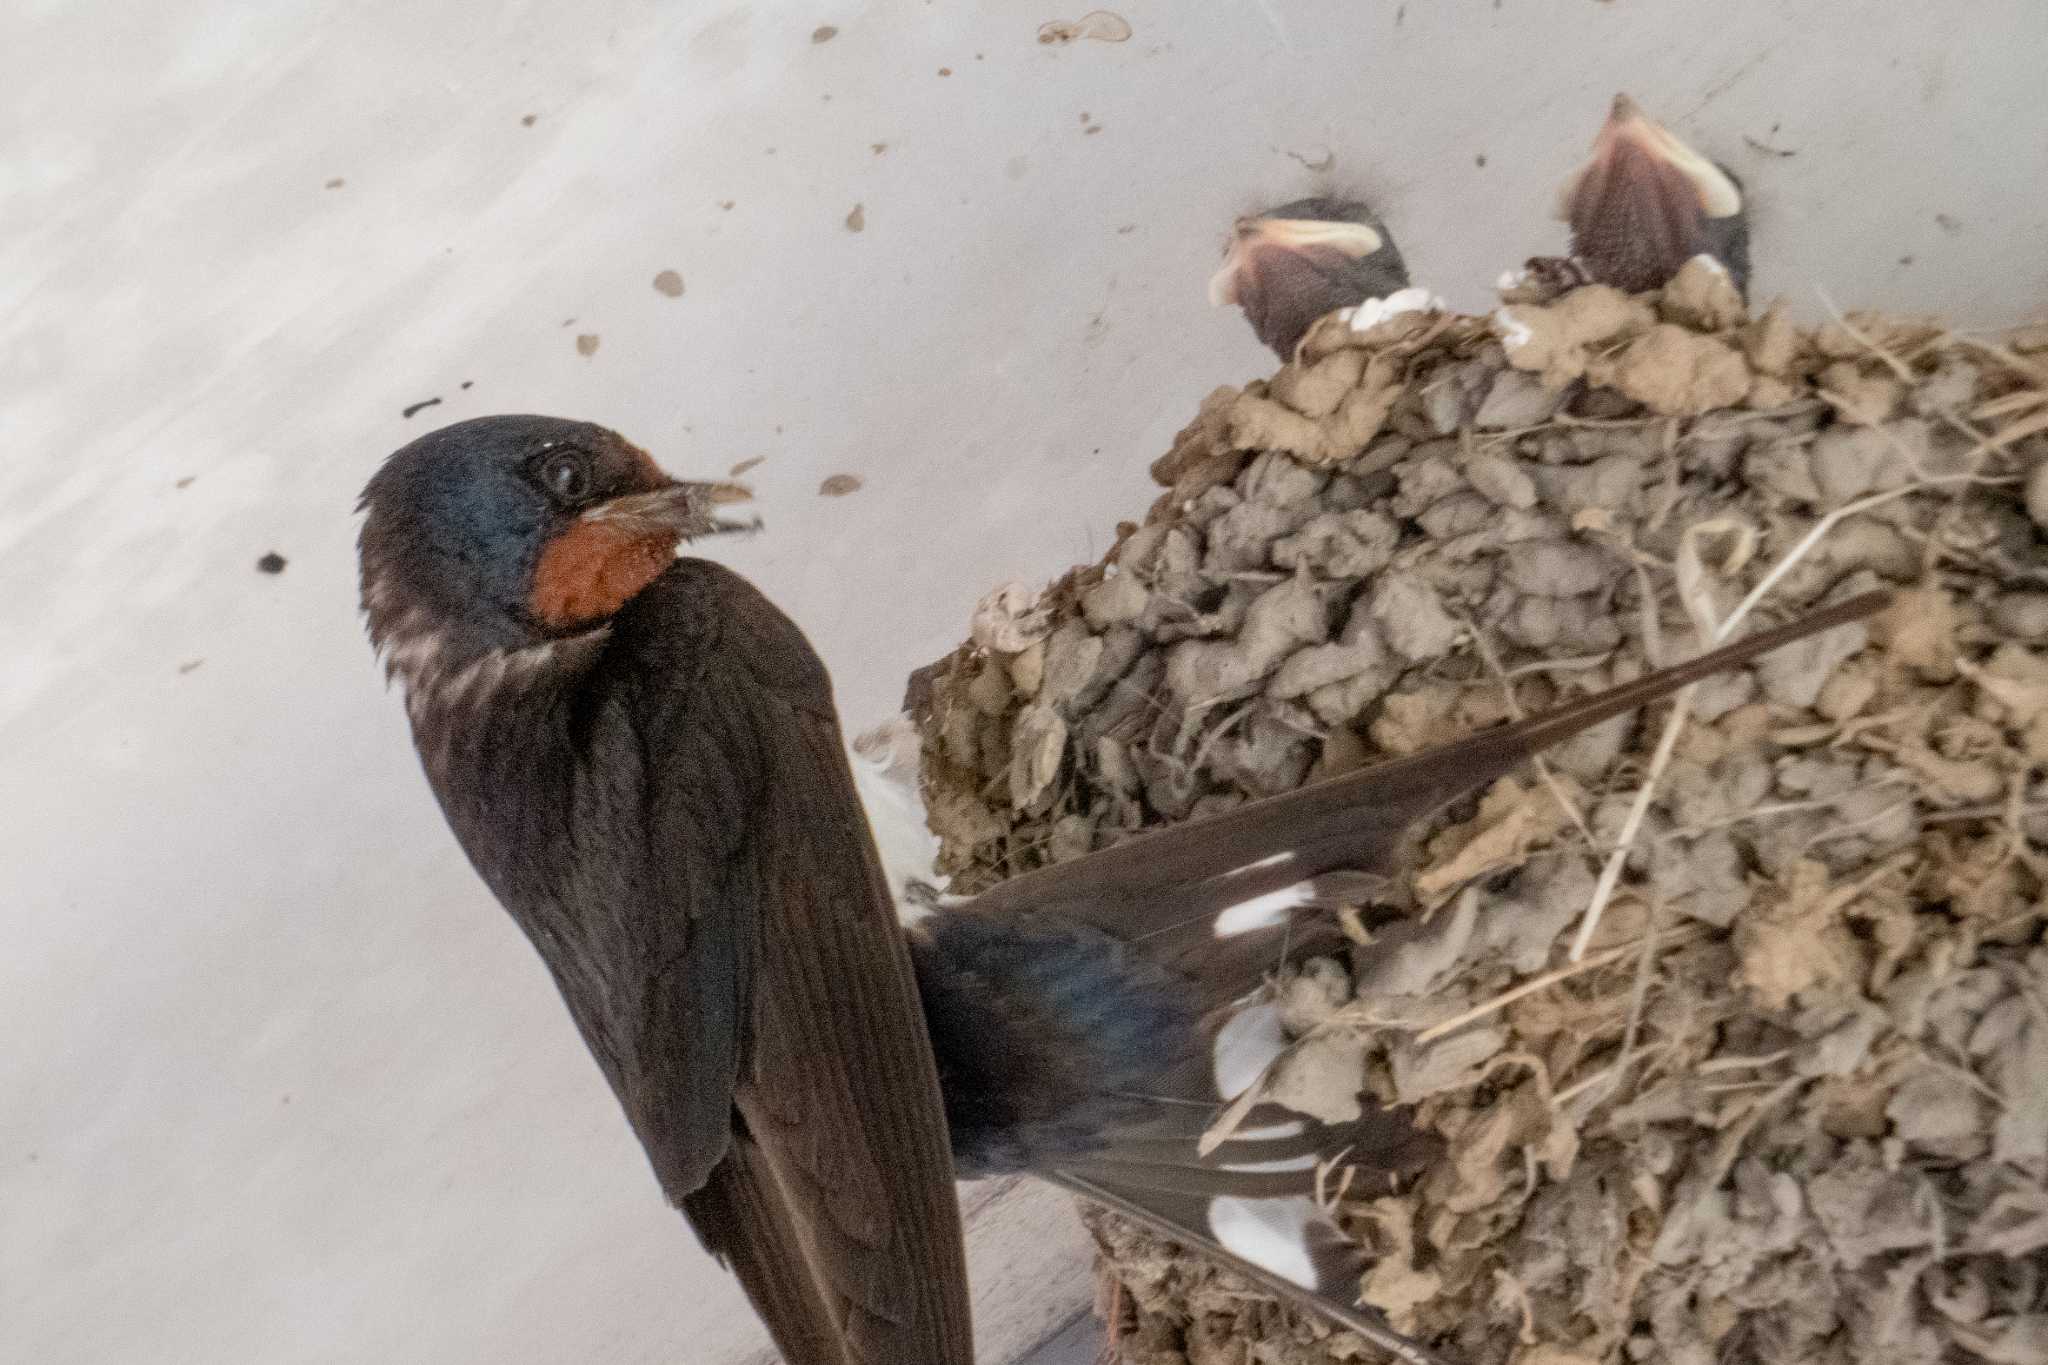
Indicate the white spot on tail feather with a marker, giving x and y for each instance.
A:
(1262, 912)
(1270, 1233)
(1245, 1046)
(1307, 1161)
(1271, 1132)
(1271, 860)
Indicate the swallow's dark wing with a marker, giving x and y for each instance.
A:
(1201, 895)
(744, 1219)
(837, 1092)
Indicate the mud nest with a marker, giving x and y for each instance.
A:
(1780, 1090)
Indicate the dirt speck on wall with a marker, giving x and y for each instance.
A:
(1781, 1093)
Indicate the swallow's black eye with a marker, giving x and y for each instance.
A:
(566, 476)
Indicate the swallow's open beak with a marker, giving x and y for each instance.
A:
(1645, 203)
(1634, 154)
(685, 509)
(1298, 237)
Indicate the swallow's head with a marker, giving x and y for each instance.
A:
(504, 532)
(1292, 264)
(1645, 203)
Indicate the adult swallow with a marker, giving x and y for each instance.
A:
(640, 756)
(1645, 203)
(1290, 265)
(1092, 1020)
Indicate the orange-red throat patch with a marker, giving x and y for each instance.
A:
(592, 568)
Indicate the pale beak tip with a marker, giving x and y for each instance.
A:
(1223, 284)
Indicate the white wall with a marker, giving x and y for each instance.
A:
(278, 1083)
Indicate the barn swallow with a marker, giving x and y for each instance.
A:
(1645, 203)
(1093, 1019)
(1290, 265)
(640, 756)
